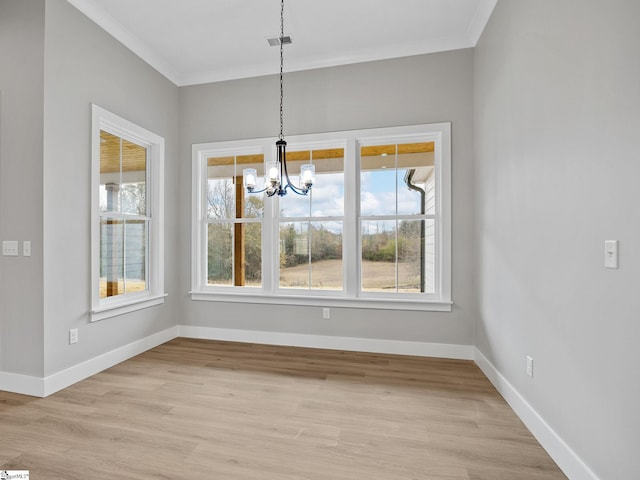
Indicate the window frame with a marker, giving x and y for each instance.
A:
(102, 308)
(351, 295)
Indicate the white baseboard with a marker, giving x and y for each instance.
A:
(42, 387)
(65, 378)
(398, 347)
(568, 461)
(22, 384)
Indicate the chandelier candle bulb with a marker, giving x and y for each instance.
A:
(273, 174)
(249, 175)
(307, 175)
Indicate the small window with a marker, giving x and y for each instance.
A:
(127, 216)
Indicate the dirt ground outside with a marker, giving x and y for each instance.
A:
(378, 276)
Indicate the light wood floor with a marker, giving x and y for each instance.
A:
(195, 409)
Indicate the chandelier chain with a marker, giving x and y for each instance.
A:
(281, 69)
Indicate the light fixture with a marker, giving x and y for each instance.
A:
(276, 179)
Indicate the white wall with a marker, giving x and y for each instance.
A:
(83, 64)
(558, 142)
(414, 90)
(21, 124)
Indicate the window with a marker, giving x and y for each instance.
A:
(311, 227)
(234, 221)
(397, 217)
(373, 231)
(127, 246)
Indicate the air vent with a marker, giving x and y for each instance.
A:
(275, 42)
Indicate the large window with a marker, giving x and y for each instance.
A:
(127, 216)
(374, 229)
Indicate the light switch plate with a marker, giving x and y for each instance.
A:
(10, 248)
(611, 253)
(26, 248)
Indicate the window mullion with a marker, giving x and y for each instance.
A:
(351, 223)
(270, 251)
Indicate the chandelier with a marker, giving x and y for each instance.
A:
(276, 179)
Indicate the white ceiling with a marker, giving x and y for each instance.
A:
(201, 41)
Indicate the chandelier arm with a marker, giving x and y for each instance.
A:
(297, 190)
(258, 191)
(289, 184)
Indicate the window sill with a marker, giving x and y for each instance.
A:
(325, 301)
(132, 305)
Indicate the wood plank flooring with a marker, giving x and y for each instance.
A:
(197, 409)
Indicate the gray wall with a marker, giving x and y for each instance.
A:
(421, 89)
(84, 65)
(21, 147)
(557, 137)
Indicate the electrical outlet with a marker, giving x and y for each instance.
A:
(326, 313)
(529, 366)
(73, 336)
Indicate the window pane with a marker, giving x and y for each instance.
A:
(379, 256)
(378, 185)
(123, 170)
(411, 193)
(394, 178)
(294, 255)
(133, 179)
(326, 255)
(411, 256)
(220, 198)
(110, 146)
(252, 254)
(111, 258)
(221, 187)
(136, 235)
(253, 205)
(133, 198)
(415, 169)
(429, 256)
(220, 254)
(247, 248)
(327, 197)
(293, 205)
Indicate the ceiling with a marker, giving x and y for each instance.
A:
(201, 41)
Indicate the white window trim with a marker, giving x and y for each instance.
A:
(350, 296)
(122, 304)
